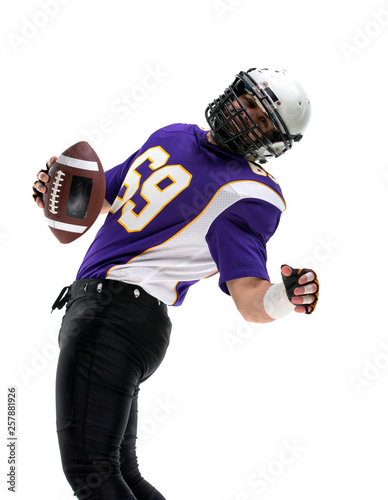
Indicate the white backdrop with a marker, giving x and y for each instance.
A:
(293, 409)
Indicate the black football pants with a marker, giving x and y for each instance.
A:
(113, 337)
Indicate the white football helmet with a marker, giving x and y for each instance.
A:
(282, 99)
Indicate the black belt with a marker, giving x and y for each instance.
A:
(95, 287)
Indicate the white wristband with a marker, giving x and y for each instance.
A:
(276, 303)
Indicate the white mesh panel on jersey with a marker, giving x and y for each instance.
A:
(186, 256)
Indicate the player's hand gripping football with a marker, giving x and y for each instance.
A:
(302, 288)
(39, 186)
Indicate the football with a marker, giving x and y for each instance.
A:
(75, 192)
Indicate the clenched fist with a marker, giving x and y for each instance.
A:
(302, 288)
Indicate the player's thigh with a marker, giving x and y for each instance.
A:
(97, 372)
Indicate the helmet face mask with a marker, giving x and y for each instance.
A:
(282, 100)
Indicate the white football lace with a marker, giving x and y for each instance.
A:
(55, 190)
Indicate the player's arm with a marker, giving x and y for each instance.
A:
(248, 293)
(259, 301)
(105, 207)
(39, 187)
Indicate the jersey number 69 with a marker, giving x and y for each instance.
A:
(145, 196)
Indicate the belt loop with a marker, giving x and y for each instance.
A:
(62, 298)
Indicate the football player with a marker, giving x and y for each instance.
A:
(188, 204)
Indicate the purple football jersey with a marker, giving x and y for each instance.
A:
(182, 210)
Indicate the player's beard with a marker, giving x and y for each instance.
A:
(235, 125)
